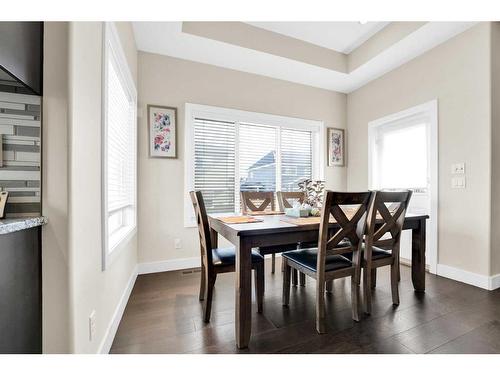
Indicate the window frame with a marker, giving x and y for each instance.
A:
(193, 111)
(111, 45)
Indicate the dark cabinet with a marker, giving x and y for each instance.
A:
(20, 292)
(21, 54)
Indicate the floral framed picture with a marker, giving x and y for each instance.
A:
(162, 123)
(336, 147)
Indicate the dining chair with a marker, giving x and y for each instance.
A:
(328, 261)
(383, 240)
(286, 199)
(254, 202)
(219, 260)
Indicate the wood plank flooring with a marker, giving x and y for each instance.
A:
(164, 315)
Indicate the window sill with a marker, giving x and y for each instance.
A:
(117, 243)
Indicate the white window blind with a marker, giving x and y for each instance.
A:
(119, 145)
(214, 163)
(233, 156)
(296, 158)
(257, 157)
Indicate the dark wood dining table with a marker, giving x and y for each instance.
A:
(272, 230)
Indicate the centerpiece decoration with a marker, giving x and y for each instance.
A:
(314, 191)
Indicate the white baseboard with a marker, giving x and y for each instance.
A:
(171, 265)
(494, 282)
(109, 336)
(168, 265)
(481, 281)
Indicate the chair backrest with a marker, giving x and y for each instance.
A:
(203, 227)
(385, 220)
(350, 212)
(285, 198)
(252, 201)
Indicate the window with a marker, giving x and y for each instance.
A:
(399, 157)
(228, 151)
(119, 146)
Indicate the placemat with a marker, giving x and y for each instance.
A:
(261, 213)
(304, 220)
(239, 219)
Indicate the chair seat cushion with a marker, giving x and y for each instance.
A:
(227, 256)
(308, 259)
(377, 253)
(264, 250)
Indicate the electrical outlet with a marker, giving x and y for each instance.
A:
(458, 182)
(178, 243)
(92, 327)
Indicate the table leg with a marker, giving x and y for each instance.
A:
(418, 256)
(243, 319)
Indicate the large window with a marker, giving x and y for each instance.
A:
(228, 151)
(119, 146)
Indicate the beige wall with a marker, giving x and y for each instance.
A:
(495, 148)
(90, 287)
(173, 82)
(55, 190)
(457, 73)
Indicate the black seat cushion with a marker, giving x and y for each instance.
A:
(377, 253)
(308, 258)
(264, 250)
(227, 256)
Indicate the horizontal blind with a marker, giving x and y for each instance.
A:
(120, 141)
(296, 158)
(257, 157)
(215, 163)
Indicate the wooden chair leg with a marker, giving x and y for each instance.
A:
(329, 286)
(259, 286)
(295, 277)
(355, 298)
(203, 283)
(273, 262)
(374, 277)
(395, 283)
(286, 282)
(367, 289)
(320, 307)
(208, 297)
(302, 279)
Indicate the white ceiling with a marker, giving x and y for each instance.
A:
(340, 36)
(167, 38)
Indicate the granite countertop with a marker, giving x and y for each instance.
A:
(15, 224)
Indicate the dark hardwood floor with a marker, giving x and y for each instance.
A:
(164, 315)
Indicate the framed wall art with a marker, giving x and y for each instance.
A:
(162, 124)
(336, 147)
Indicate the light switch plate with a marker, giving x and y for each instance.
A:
(458, 168)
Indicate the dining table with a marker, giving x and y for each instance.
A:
(276, 230)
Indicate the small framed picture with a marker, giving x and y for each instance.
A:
(336, 147)
(162, 123)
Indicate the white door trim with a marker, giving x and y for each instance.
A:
(431, 109)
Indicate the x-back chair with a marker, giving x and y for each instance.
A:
(328, 261)
(383, 240)
(253, 202)
(219, 260)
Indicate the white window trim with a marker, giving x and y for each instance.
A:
(233, 115)
(430, 109)
(111, 40)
